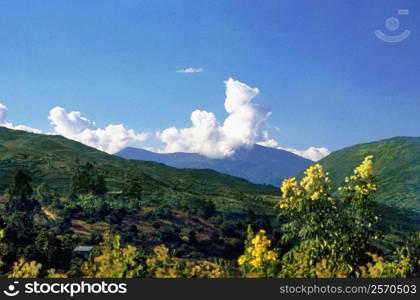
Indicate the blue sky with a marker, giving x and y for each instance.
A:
(327, 79)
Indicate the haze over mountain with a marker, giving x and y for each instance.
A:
(257, 164)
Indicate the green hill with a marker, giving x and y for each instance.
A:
(197, 213)
(397, 168)
(50, 158)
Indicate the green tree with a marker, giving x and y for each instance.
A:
(19, 226)
(133, 185)
(334, 230)
(20, 193)
(86, 179)
(45, 195)
(331, 233)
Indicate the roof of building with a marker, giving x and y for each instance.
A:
(83, 248)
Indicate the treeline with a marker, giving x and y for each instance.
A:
(319, 232)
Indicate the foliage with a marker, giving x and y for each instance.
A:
(114, 261)
(52, 273)
(24, 269)
(200, 215)
(258, 259)
(133, 185)
(86, 179)
(162, 265)
(20, 193)
(334, 234)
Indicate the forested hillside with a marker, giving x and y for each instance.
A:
(145, 219)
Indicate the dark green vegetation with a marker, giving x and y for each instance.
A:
(257, 164)
(71, 194)
(397, 169)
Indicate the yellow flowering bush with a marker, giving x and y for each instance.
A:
(291, 194)
(315, 183)
(334, 230)
(115, 261)
(258, 258)
(313, 188)
(163, 265)
(24, 269)
(360, 185)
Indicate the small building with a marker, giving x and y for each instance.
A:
(83, 250)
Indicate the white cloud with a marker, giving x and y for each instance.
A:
(110, 139)
(243, 126)
(3, 123)
(312, 153)
(190, 70)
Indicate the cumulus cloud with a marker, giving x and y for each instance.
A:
(190, 70)
(312, 153)
(3, 123)
(110, 139)
(243, 126)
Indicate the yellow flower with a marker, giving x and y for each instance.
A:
(290, 187)
(258, 254)
(315, 183)
(365, 169)
(316, 196)
(242, 260)
(290, 193)
(361, 182)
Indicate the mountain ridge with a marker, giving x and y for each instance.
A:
(258, 164)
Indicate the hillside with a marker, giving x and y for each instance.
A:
(50, 158)
(257, 164)
(397, 167)
(197, 214)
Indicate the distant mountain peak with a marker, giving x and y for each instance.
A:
(258, 163)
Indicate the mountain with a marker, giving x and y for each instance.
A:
(52, 158)
(257, 164)
(397, 167)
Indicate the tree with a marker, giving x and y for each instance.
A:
(330, 234)
(20, 193)
(334, 230)
(45, 195)
(208, 209)
(86, 179)
(133, 185)
(20, 210)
